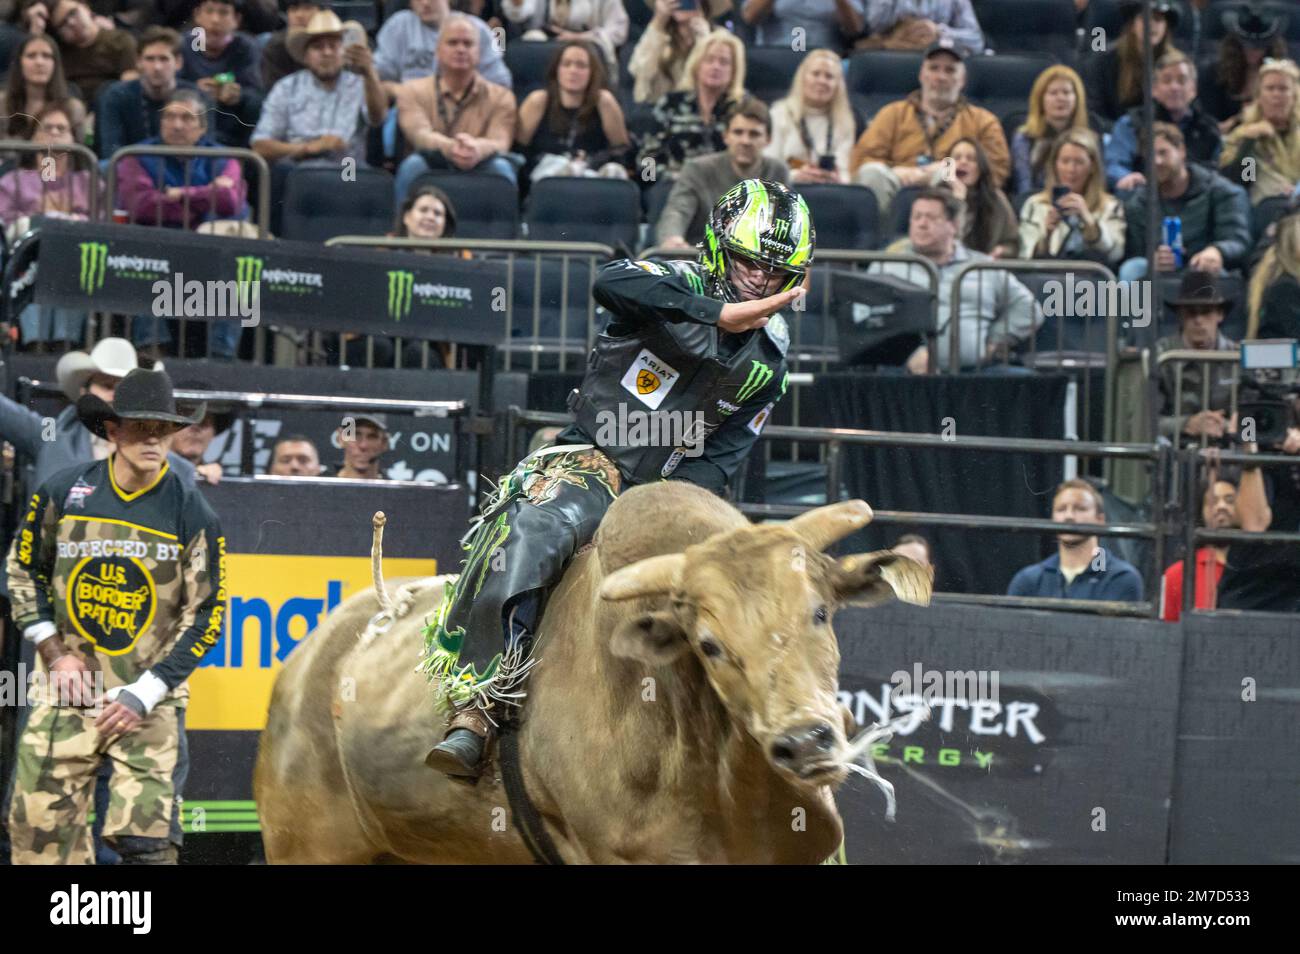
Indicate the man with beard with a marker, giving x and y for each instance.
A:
(1081, 569)
(1215, 214)
(347, 100)
(1218, 512)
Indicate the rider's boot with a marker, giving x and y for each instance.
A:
(460, 754)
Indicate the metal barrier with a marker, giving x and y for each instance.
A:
(836, 438)
(263, 212)
(262, 218)
(1180, 359)
(1194, 535)
(457, 411)
(572, 342)
(1066, 360)
(94, 191)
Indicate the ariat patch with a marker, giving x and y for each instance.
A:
(760, 419)
(649, 379)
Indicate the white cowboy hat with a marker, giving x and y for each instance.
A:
(323, 23)
(112, 356)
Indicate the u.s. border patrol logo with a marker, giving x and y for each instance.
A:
(111, 602)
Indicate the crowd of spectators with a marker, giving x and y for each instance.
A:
(658, 92)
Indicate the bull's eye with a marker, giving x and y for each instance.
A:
(710, 648)
(821, 615)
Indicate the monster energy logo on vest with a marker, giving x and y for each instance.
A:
(400, 285)
(94, 256)
(759, 375)
(248, 269)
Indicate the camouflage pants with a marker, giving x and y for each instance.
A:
(58, 756)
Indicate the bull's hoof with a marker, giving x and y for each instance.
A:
(458, 755)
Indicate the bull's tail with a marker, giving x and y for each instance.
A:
(377, 562)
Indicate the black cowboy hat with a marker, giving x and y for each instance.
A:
(1128, 9)
(222, 412)
(1254, 24)
(1199, 289)
(142, 396)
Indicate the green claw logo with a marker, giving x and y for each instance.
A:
(759, 375)
(780, 229)
(400, 285)
(94, 257)
(248, 270)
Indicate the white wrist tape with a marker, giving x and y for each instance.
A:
(39, 632)
(149, 689)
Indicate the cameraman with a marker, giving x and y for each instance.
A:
(1266, 576)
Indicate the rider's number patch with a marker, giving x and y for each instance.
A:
(649, 379)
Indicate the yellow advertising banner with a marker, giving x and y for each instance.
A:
(275, 602)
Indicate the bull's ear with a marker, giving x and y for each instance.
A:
(655, 639)
(872, 578)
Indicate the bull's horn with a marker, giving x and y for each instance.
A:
(650, 577)
(821, 527)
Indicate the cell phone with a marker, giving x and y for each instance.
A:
(826, 162)
(221, 79)
(353, 35)
(1058, 193)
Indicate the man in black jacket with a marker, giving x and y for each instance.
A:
(1215, 214)
(679, 386)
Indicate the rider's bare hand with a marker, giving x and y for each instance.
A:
(744, 315)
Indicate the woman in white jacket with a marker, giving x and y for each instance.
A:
(812, 127)
(601, 22)
(1074, 217)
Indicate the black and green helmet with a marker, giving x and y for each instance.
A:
(763, 221)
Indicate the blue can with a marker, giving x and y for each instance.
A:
(1174, 238)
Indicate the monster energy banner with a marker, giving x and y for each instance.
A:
(136, 270)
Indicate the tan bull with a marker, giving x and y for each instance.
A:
(683, 709)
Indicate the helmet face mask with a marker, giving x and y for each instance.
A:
(763, 223)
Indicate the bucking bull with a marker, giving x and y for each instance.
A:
(683, 708)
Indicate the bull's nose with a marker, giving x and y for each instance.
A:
(809, 743)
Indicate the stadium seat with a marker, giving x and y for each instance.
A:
(769, 71)
(1214, 30)
(845, 216)
(365, 12)
(1001, 84)
(487, 206)
(655, 198)
(10, 39)
(527, 62)
(317, 207)
(1011, 26)
(1266, 213)
(900, 211)
(573, 209)
(877, 77)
